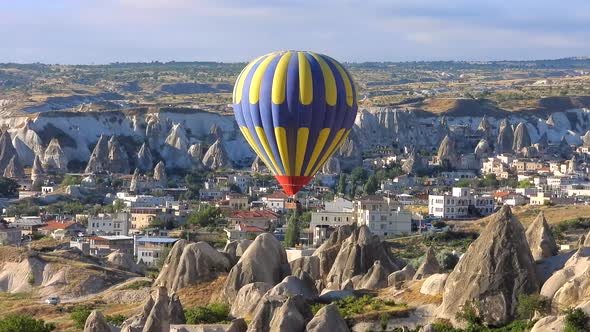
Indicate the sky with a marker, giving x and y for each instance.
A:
(105, 31)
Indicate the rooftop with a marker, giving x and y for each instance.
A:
(254, 214)
(157, 239)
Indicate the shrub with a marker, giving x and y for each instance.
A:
(528, 304)
(138, 285)
(209, 314)
(576, 320)
(447, 260)
(117, 319)
(470, 313)
(23, 323)
(79, 315)
(31, 279)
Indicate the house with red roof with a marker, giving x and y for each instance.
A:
(262, 219)
(243, 232)
(61, 229)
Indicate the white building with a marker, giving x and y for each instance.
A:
(149, 249)
(460, 203)
(109, 224)
(131, 200)
(383, 216)
(240, 180)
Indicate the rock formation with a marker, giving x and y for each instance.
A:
(191, 263)
(306, 264)
(196, 155)
(124, 261)
(505, 138)
(357, 255)
(157, 314)
(428, 267)
(118, 158)
(522, 138)
(278, 313)
(54, 158)
(27, 143)
(247, 299)
(349, 154)
(482, 149)
(413, 164)
(570, 285)
(258, 166)
(446, 152)
(540, 238)
(332, 166)
(14, 169)
(153, 132)
(96, 323)
(37, 173)
(543, 142)
(327, 319)
(397, 278)
(135, 181)
(265, 260)
(216, 157)
(565, 149)
(434, 285)
(292, 286)
(160, 174)
(7, 150)
(99, 159)
(586, 138)
(215, 133)
(175, 149)
(375, 278)
(495, 270)
(484, 126)
(328, 251)
(145, 160)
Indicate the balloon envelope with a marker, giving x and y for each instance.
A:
(295, 109)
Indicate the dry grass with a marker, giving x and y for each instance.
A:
(410, 295)
(202, 294)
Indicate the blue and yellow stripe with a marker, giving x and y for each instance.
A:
(295, 109)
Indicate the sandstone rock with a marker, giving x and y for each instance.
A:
(350, 154)
(160, 174)
(118, 158)
(145, 160)
(37, 172)
(216, 157)
(175, 149)
(484, 126)
(434, 284)
(446, 151)
(569, 286)
(522, 138)
(238, 325)
(153, 132)
(196, 155)
(14, 169)
(586, 138)
(540, 238)
(124, 261)
(375, 278)
(543, 142)
(482, 149)
(428, 267)
(99, 159)
(327, 319)
(265, 260)
(7, 150)
(530, 151)
(328, 251)
(397, 278)
(505, 138)
(413, 164)
(191, 263)
(307, 264)
(565, 149)
(291, 286)
(258, 166)
(358, 254)
(235, 249)
(495, 270)
(27, 143)
(277, 313)
(96, 323)
(248, 298)
(134, 184)
(330, 295)
(54, 158)
(332, 166)
(215, 133)
(157, 314)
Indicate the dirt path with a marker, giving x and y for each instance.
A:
(101, 293)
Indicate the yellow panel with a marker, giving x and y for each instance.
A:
(322, 137)
(281, 136)
(250, 140)
(279, 80)
(262, 138)
(257, 78)
(240, 81)
(330, 150)
(305, 80)
(302, 135)
(347, 84)
(329, 80)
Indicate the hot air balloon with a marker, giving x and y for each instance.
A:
(295, 109)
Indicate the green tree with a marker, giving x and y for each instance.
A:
(292, 233)
(342, 184)
(207, 215)
(576, 320)
(118, 205)
(24, 323)
(8, 187)
(463, 183)
(79, 316)
(528, 304)
(371, 186)
(209, 314)
(69, 180)
(525, 184)
(359, 175)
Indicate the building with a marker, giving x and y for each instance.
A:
(460, 203)
(241, 181)
(109, 224)
(61, 229)
(324, 222)
(234, 201)
(258, 218)
(149, 249)
(105, 244)
(9, 236)
(384, 216)
(243, 232)
(278, 202)
(131, 200)
(28, 225)
(542, 198)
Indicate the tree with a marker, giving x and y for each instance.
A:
(525, 184)
(24, 323)
(463, 183)
(342, 184)
(79, 315)
(69, 180)
(207, 215)
(371, 186)
(8, 187)
(359, 175)
(576, 320)
(118, 205)
(292, 233)
(528, 304)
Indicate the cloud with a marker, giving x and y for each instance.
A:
(99, 31)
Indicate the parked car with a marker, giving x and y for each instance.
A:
(52, 300)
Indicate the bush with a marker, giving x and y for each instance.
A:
(23, 323)
(447, 260)
(79, 315)
(209, 314)
(469, 313)
(31, 279)
(117, 319)
(138, 285)
(528, 304)
(576, 320)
